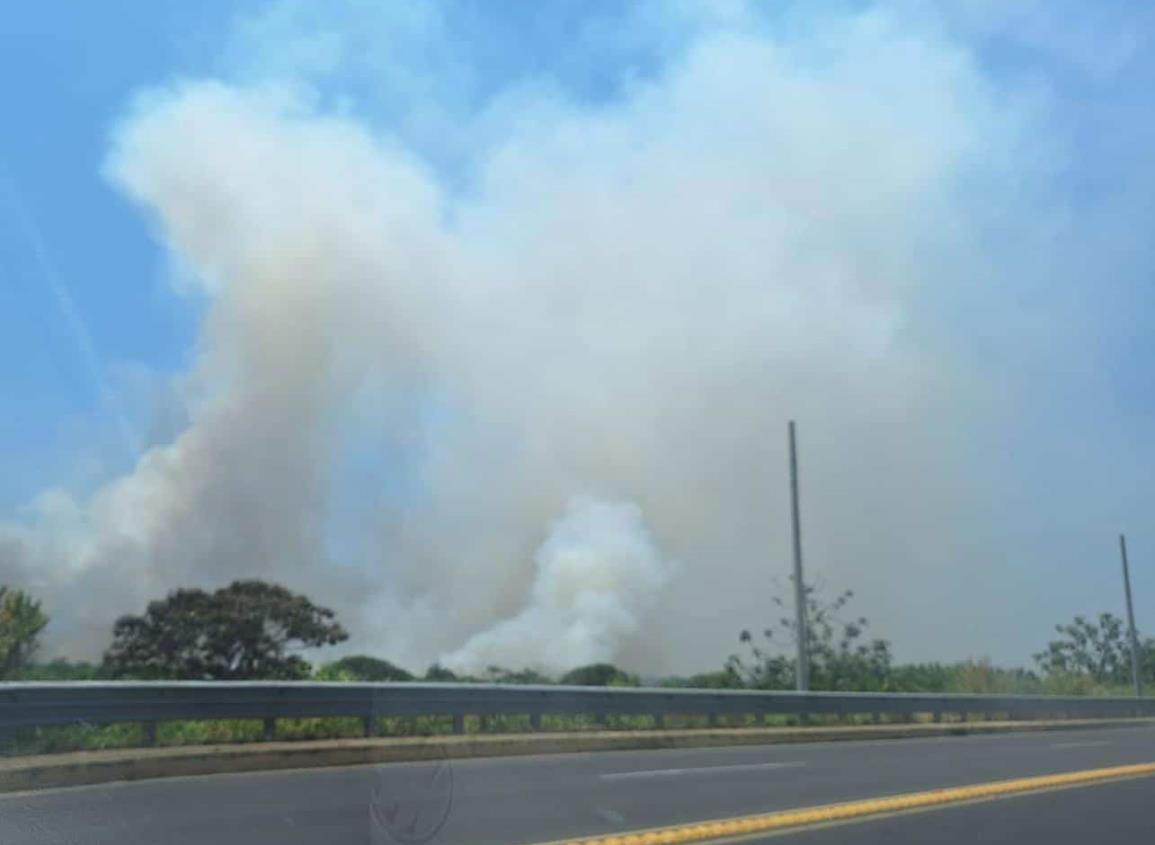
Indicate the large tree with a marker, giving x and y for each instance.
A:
(246, 630)
(21, 622)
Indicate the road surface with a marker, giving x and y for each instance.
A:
(546, 798)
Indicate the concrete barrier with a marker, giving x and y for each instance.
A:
(94, 767)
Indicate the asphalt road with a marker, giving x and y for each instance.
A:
(537, 799)
(1108, 813)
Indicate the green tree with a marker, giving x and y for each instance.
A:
(1099, 650)
(360, 667)
(21, 621)
(243, 631)
(841, 658)
(598, 675)
(440, 674)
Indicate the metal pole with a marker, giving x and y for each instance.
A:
(803, 666)
(1131, 620)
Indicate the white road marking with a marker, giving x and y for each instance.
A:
(1085, 744)
(669, 773)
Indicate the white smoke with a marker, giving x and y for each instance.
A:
(596, 575)
(631, 297)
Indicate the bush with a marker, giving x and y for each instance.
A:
(361, 667)
(439, 673)
(62, 670)
(598, 675)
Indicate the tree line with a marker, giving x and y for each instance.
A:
(1087, 657)
(255, 630)
(248, 630)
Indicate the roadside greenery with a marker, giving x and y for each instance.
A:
(251, 629)
(244, 631)
(360, 667)
(21, 621)
(841, 657)
(254, 629)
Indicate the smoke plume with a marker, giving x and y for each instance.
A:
(401, 382)
(597, 572)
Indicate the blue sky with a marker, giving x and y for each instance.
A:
(1066, 324)
(67, 71)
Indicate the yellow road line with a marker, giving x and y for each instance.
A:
(744, 825)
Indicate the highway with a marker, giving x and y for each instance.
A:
(547, 798)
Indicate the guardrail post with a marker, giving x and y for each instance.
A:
(149, 733)
(535, 722)
(369, 725)
(936, 716)
(458, 723)
(269, 729)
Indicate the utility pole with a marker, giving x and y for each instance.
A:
(803, 666)
(1131, 620)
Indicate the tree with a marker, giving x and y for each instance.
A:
(598, 675)
(440, 674)
(360, 667)
(21, 622)
(1101, 651)
(243, 631)
(840, 657)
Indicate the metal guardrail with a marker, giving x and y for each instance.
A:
(25, 705)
